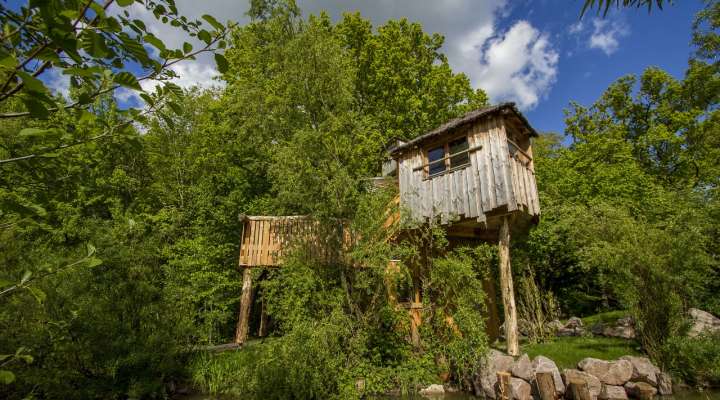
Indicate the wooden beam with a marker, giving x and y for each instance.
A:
(508, 293)
(579, 390)
(241, 332)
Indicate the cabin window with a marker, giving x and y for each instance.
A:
(436, 160)
(458, 153)
(451, 155)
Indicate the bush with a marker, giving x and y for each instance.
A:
(695, 360)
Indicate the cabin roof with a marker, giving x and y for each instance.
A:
(456, 123)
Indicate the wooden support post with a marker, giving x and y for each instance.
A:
(262, 330)
(546, 385)
(503, 389)
(241, 332)
(579, 389)
(508, 293)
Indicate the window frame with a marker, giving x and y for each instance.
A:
(445, 144)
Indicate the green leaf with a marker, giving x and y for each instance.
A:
(221, 62)
(94, 44)
(31, 83)
(157, 43)
(175, 107)
(204, 36)
(215, 24)
(36, 108)
(6, 377)
(40, 297)
(33, 132)
(26, 276)
(127, 79)
(174, 89)
(187, 47)
(125, 3)
(93, 262)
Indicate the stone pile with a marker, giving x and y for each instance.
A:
(629, 376)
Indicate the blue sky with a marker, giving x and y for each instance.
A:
(660, 39)
(537, 53)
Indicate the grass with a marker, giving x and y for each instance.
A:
(606, 317)
(567, 351)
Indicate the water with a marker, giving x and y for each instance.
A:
(679, 395)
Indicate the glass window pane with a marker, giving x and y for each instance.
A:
(462, 158)
(435, 159)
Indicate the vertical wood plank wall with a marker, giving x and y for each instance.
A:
(266, 239)
(493, 179)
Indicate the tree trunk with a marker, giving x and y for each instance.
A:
(241, 332)
(546, 385)
(508, 293)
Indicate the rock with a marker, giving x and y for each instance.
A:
(597, 328)
(544, 364)
(487, 378)
(702, 322)
(643, 370)
(593, 382)
(570, 331)
(625, 321)
(640, 390)
(433, 390)
(664, 384)
(574, 322)
(520, 389)
(612, 392)
(522, 368)
(554, 325)
(623, 332)
(613, 373)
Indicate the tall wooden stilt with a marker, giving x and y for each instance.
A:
(241, 332)
(508, 293)
(262, 330)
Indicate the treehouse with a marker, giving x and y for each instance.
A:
(470, 173)
(474, 175)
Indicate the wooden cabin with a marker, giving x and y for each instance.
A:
(469, 172)
(474, 175)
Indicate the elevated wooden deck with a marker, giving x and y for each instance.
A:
(266, 239)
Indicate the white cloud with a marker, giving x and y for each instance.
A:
(57, 82)
(606, 34)
(519, 64)
(576, 27)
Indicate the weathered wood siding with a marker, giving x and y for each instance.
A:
(494, 179)
(265, 240)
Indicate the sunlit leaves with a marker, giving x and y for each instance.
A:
(221, 63)
(127, 80)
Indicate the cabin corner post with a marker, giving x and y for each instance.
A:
(508, 292)
(241, 332)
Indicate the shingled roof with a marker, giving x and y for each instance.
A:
(456, 123)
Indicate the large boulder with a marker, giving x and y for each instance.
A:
(643, 370)
(520, 389)
(612, 392)
(574, 322)
(614, 373)
(640, 390)
(523, 369)
(593, 382)
(664, 384)
(486, 381)
(544, 364)
(702, 322)
(433, 391)
(623, 332)
(554, 326)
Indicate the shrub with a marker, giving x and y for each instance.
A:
(695, 360)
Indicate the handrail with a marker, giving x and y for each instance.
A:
(476, 148)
